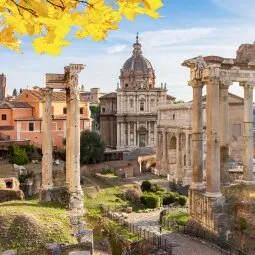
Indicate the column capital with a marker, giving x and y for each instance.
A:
(247, 84)
(196, 83)
(224, 84)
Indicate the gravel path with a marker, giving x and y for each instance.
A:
(184, 245)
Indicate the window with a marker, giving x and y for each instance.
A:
(131, 103)
(4, 117)
(31, 126)
(142, 106)
(126, 85)
(236, 130)
(81, 110)
(64, 110)
(173, 116)
(103, 109)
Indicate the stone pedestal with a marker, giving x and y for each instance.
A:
(56, 194)
(209, 213)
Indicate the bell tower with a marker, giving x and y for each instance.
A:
(2, 87)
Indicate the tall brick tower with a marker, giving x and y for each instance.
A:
(2, 87)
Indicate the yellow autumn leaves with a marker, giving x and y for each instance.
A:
(51, 22)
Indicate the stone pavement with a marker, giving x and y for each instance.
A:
(183, 244)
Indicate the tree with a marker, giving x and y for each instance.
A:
(95, 115)
(92, 147)
(49, 22)
(14, 93)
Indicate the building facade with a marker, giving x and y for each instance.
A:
(108, 119)
(22, 119)
(174, 147)
(137, 102)
(3, 90)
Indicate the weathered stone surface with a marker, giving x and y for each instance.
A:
(79, 253)
(53, 248)
(8, 195)
(57, 194)
(9, 252)
(246, 53)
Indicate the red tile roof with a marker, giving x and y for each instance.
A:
(56, 95)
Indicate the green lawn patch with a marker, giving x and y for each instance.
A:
(27, 225)
(178, 217)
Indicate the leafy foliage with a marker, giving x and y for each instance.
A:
(19, 156)
(92, 147)
(49, 22)
(146, 186)
(150, 200)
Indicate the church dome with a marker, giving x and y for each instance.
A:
(137, 71)
(137, 63)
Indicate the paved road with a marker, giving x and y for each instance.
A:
(184, 245)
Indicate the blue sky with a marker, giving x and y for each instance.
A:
(187, 29)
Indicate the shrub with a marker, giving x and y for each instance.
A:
(151, 201)
(19, 156)
(153, 188)
(133, 195)
(182, 200)
(146, 186)
(168, 199)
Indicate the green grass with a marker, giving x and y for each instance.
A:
(179, 217)
(27, 225)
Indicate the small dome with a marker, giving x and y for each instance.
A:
(137, 63)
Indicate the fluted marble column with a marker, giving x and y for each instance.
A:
(164, 145)
(248, 175)
(197, 135)
(149, 134)
(224, 133)
(128, 134)
(47, 181)
(213, 137)
(135, 130)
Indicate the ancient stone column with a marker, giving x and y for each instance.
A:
(149, 134)
(224, 133)
(213, 137)
(68, 125)
(164, 145)
(187, 149)
(76, 193)
(128, 134)
(47, 182)
(178, 156)
(197, 135)
(155, 134)
(118, 135)
(248, 175)
(123, 135)
(135, 127)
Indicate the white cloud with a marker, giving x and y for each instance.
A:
(116, 49)
(175, 36)
(239, 7)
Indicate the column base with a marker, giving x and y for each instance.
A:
(213, 194)
(56, 194)
(197, 186)
(76, 201)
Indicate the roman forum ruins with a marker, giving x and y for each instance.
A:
(207, 204)
(69, 82)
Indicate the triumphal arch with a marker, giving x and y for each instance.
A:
(217, 74)
(67, 81)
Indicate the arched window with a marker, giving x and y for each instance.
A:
(173, 142)
(142, 106)
(131, 103)
(126, 85)
(173, 116)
